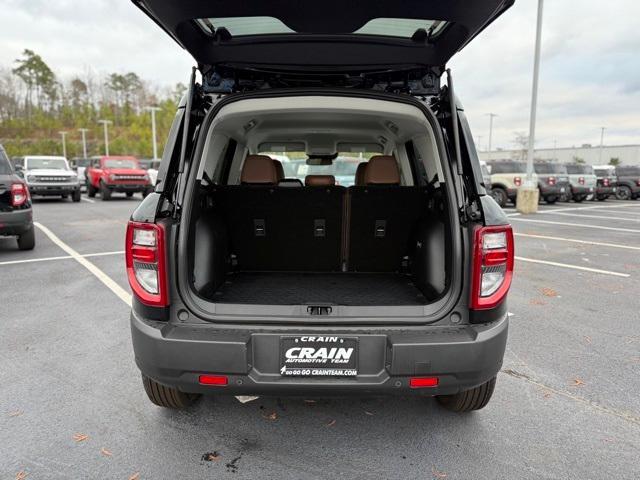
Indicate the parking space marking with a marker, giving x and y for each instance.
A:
(573, 267)
(578, 215)
(624, 212)
(63, 257)
(570, 209)
(598, 227)
(573, 240)
(85, 199)
(120, 292)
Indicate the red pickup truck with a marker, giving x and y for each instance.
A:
(116, 174)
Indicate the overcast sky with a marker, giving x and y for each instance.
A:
(590, 73)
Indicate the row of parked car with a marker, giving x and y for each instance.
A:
(562, 181)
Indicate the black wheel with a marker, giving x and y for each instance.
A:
(27, 241)
(167, 397)
(105, 193)
(500, 196)
(65, 196)
(469, 400)
(91, 190)
(602, 198)
(76, 196)
(623, 193)
(551, 200)
(129, 194)
(578, 199)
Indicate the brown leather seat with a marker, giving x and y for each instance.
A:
(382, 170)
(319, 180)
(279, 169)
(259, 170)
(359, 180)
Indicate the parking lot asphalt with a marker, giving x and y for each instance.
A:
(566, 403)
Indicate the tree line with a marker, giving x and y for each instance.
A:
(36, 104)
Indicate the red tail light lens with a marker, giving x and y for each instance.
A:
(517, 181)
(146, 264)
(581, 180)
(638, 182)
(19, 194)
(605, 182)
(551, 180)
(493, 254)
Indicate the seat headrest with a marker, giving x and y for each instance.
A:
(382, 170)
(279, 169)
(290, 182)
(259, 170)
(359, 180)
(319, 180)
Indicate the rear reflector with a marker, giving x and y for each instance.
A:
(423, 382)
(216, 380)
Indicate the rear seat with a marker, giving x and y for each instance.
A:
(382, 218)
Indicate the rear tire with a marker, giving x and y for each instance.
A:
(602, 198)
(76, 196)
(623, 193)
(551, 200)
(129, 194)
(167, 397)
(469, 400)
(91, 190)
(500, 196)
(27, 241)
(578, 199)
(105, 193)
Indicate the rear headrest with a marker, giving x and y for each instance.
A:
(319, 180)
(359, 180)
(290, 182)
(279, 169)
(382, 170)
(259, 170)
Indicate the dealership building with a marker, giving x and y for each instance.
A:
(593, 155)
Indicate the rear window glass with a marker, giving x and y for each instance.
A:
(549, 168)
(508, 167)
(390, 27)
(5, 166)
(46, 163)
(120, 163)
(628, 171)
(580, 169)
(343, 168)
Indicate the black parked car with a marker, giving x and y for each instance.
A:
(16, 218)
(553, 181)
(628, 182)
(246, 282)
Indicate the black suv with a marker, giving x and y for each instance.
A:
(628, 187)
(16, 219)
(251, 277)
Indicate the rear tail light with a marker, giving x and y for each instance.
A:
(146, 264)
(605, 182)
(423, 382)
(492, 266)
(517, 181)
(638, 182)
(581, 180)
(19, 194)
(551, 180)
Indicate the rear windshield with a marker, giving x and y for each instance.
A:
(390, 27)
(120, 163)
(508, 167)
(580, 169)
(602, 172)
(631, 170)
(343, 168)
(5, 166)
(549, 168)
(46, 163)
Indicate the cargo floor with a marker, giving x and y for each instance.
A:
(318, 288)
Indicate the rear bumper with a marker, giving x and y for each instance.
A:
(45, 190)
(461, 357)
(552, 190)
(605, 190)
(16, 222)
(581, 190)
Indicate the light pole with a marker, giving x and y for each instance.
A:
(153, 111)
(84, 131)
(491, 116)
(64, 143)
(106, 123)
(527, 200)
(602, 129)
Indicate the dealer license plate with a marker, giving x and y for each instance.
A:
(318, 356)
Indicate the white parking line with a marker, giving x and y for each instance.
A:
(579, 215)
(599, 227)
(85, 199)
(623, 212)
(573, 240)
(573, 267)
(571, 209)
(64, 257)
(99, 274)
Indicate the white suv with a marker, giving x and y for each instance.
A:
(49, 176)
